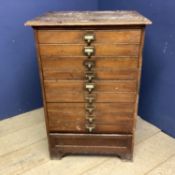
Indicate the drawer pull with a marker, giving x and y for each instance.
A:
(90, 118)
(89, 51)
(90, 76)
(90, 87)
(89, 38)
(90, 99)
(90, 127)
(89, 64)
(90, 109)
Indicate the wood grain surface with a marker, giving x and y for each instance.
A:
(52, 96)
(114, 86)
(77, 36)
(89, 18)
(53, 50)
(77, 63)
(101, 74)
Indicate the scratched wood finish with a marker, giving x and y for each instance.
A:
(52, 50)
(119, 38)
(77, 36)
(89, 18)
(121, 126)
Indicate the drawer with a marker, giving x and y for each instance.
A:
(53, 50)
(58, 96)
(66, 86)
(105, 91)
(105, 112)
(106, 68)
(74, 63)
(101, 36)
(101, 74)
(121, 126)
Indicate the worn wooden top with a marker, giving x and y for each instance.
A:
(89, 18)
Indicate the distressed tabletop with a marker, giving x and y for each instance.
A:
(89, 18)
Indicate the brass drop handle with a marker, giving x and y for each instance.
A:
(90, 109)
(89, 87)
(89, 38)
(90, 99)
(90, 76)
(89, 64)
(90, 118)
(90, 127)
(89, 51)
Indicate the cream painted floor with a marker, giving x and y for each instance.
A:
(23, 150)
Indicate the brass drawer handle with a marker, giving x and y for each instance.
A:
(89, 38)
(90, 99)
(90, 109)
(89, 64)
(90, 118)
(89, 87)
(89, 51)
(90, 127)
(90, 76)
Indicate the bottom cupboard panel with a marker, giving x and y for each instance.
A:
(109, 144)
(91, 139)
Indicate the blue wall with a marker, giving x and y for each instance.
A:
(157, 99)
(19, 78)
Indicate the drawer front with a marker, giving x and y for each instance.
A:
(75, 111)
(66, 86)
(104, 91)
(71, 50)
(66, 68)
(75, 63)
(101, 36)
(121, 126)
(104, 74)
(52, 96)
(108, 117)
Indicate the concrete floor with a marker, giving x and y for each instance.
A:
(23, 150)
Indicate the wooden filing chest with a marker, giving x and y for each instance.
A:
(90, 67)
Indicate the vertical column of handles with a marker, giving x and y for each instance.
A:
(89, 64)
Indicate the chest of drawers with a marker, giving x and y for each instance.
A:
(90, 67)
